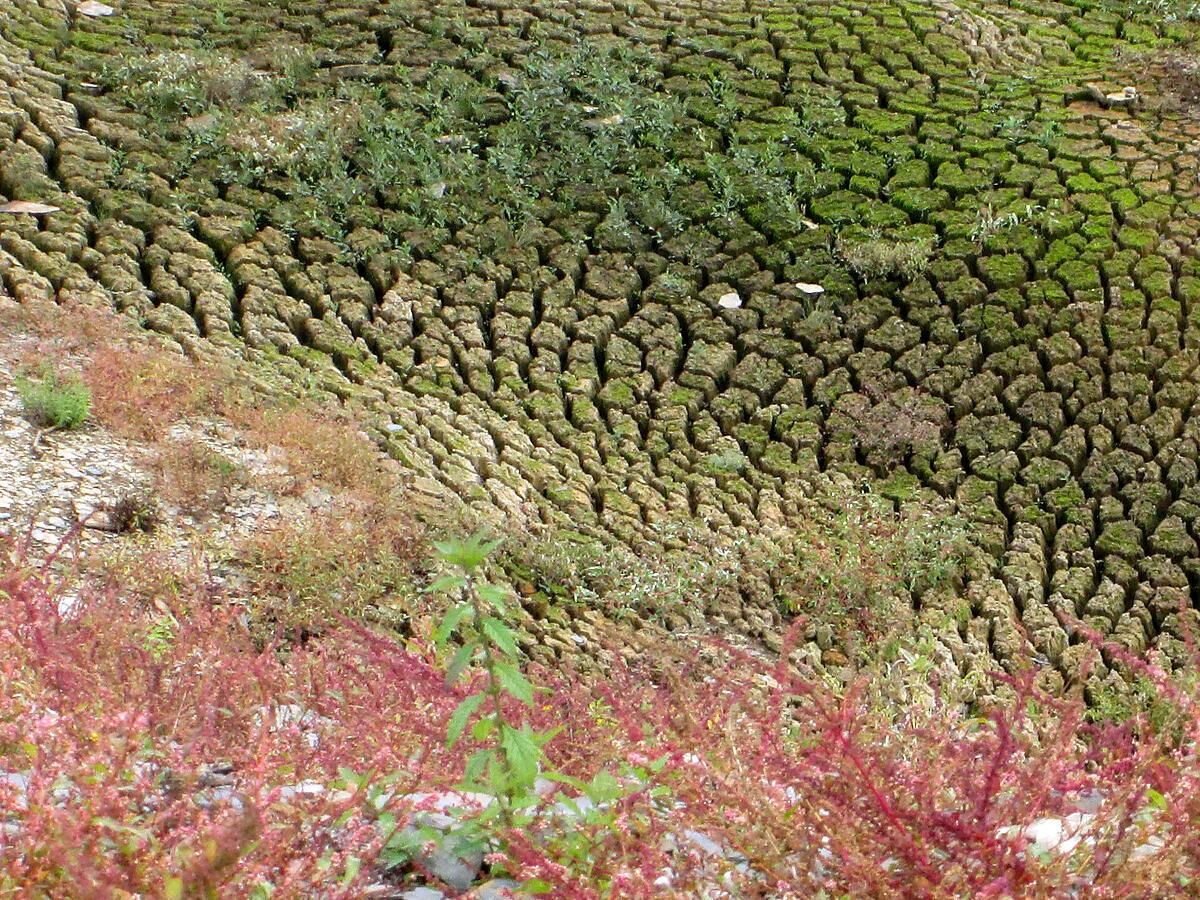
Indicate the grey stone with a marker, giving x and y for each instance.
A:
(223, 794)
(449, 863)
(576, 806)
(498, 889)
(704, 842)
(19, 782)
(423, 893)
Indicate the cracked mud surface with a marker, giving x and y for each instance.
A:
(562, 255)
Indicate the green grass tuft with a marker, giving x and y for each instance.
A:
(55, 400)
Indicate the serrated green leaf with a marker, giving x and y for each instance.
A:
(604, 788)
(487, 814)
(500, 635)
(521, 753)
(493, 594)
(513, 682)
(483, 728)
(466, 554)
(445, 584)
(476, 763)
(570, 781)
(173, 890)
(403, 844)
(461, 660)
(536, 886)
(450, 622)
(385, 823)
(353, 865)
(460, 717)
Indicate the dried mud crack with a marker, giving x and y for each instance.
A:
(616, 266)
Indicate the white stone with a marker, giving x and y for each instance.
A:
(732, 300)
(94, 9)
(809, 290)
(27, 207)
(1054, 834)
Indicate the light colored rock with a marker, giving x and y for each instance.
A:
(94, 9)
(27, 207)
(732, 300)
(17, 785)
(422, 893)
(1053, 834)
(303, 789)
(810, 290)
(497, 889)
(449, 861)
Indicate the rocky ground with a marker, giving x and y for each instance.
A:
(630, 264)
(62, 490)
(47, 487)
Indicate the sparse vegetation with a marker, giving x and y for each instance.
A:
(990, 223)
(134, 511)
(854, 572)
(55, 399)
(875, 256)
(354, 562)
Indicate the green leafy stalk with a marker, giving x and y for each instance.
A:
(508, 764)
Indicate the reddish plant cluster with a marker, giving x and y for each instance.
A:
(164, 753)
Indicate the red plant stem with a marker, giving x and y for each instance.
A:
(885, 807)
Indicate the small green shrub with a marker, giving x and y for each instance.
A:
(726, 461)
(990, 222)
(878, 257)
(55, 400)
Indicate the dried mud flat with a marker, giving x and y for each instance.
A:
(613, 266)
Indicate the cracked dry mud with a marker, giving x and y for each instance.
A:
(567, 254)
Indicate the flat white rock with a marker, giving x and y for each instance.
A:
(809, 290)
(28, 207)
(732, 300)
(92, 8)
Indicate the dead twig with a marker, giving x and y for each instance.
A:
(35, 447)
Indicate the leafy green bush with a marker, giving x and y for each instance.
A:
(54, 399)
